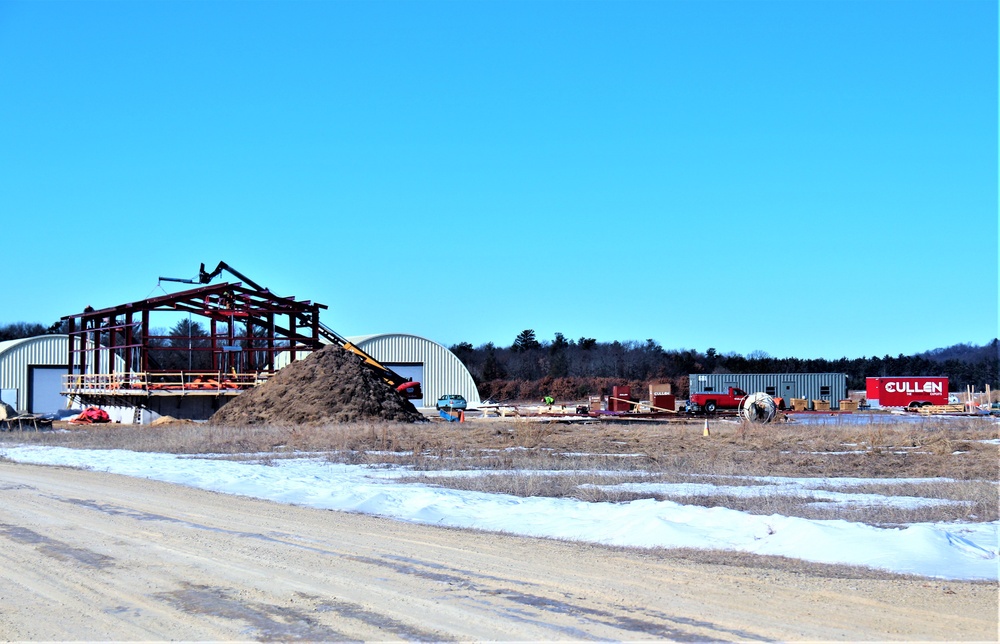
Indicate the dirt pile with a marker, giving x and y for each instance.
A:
(331, 385)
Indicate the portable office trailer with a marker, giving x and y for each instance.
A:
(811, 386)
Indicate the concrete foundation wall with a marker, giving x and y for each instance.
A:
(189, 407)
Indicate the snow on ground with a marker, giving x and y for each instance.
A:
(949, 551)
(791, 488)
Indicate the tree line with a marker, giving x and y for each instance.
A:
(573, 369)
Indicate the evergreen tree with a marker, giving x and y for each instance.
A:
(190, 344)
(526, 341)
(559, 365)
(492, 369)
(462, 350)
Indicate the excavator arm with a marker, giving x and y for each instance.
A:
(205, 277)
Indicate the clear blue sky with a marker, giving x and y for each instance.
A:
(815, 179)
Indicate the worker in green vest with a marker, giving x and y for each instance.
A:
(548, 400)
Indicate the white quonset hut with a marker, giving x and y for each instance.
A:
(31, 377)
(31, 371)
(438, 370)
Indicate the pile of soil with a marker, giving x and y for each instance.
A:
(331, 385)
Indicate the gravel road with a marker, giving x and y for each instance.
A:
(95, 556)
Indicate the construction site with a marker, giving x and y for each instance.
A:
(272, 403)
(253, 353)
(246, 355)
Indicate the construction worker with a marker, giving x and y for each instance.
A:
(548, 400)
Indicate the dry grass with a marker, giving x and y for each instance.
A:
(520, 452)
(973, 501)
(877, 514)
(576, 484)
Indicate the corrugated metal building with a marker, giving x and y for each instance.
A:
(31, 373)
(811, 386)
(438, 370)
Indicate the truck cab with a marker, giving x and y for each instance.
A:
(709, 401)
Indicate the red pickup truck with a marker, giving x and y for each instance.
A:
(712, 400)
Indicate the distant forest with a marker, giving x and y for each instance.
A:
(574, 369)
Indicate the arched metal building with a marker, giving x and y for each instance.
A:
(438, 370)
(31, 371)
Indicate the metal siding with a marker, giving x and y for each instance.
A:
(808, 384)
(44, 350)
(444, 373)
(17, 355)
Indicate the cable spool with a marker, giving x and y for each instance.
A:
(758, 408)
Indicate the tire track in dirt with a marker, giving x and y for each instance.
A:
(486, 592)
(88, 555)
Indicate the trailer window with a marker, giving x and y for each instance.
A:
(709, 388)
(824, 390)
(771, 390)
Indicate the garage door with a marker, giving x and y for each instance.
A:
(43, 393)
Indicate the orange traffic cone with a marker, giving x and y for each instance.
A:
(706, 432)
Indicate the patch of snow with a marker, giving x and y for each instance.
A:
(950, 551)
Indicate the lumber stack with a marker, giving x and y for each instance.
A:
(942, 409)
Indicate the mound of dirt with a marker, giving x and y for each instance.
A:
(169, 420)
(331, 385)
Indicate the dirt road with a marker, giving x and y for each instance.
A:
(95, 556)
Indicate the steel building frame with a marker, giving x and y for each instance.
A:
(247, 329)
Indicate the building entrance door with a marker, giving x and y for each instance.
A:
(45, 384)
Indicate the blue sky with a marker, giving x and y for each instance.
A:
(816, 179)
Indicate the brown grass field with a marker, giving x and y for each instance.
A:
(534, 457)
